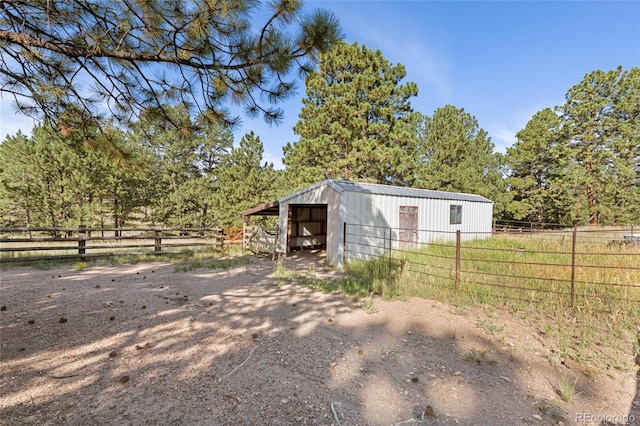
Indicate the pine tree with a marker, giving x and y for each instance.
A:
(457, 155)
(48, 180)
(356, 122)
(183, 166)
(533, 167)
(243, 181)
(69, 61)
(17, 191)
(601, 128)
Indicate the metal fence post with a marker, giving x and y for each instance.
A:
(573, 263)
(82, 241)
(458, 260)
(390, 247)
(344, 244)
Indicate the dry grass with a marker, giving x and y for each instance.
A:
(530, 275)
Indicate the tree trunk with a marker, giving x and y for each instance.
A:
(591, 198)
(116, 223)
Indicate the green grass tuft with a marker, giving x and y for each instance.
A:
(567, 389)
(476, 355)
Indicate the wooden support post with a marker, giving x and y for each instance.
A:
(244, 231)
(157, 249)
(276, 241)
(573, 263)
(458, 259)
(82, 241)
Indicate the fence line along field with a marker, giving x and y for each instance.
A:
(595, 270)
(580, 287)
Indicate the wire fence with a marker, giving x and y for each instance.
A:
(594, 268)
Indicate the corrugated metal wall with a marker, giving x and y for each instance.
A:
(381, 212)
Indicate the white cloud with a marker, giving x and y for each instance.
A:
(276, 159)
(502, 136)
(426, 68)
(427, 63)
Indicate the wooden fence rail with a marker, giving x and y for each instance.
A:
(46, 243)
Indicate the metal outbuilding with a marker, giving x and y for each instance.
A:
(375, 217)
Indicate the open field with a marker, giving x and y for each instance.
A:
(534, 269)
(158, 343)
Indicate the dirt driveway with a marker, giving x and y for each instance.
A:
(142, 344)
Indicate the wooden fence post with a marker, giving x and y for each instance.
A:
(573, 263)
(221, 238)
(157, 249)
(458, 260)
(82, 241)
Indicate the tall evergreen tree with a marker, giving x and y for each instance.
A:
(122, 179)
(623, 174)
(244, 181)
(48, 180)
(601, 128)
(183, 168)
(42, 175)
(356, 122)
(17, 190)
(457, 155)
(533, 165)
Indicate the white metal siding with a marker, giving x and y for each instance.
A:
(380, 212)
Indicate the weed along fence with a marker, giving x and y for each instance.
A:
(36, 244)
(596, 269)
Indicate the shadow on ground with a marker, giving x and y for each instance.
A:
(142, 344)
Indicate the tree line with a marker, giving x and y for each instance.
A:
(577, 163)
(150, 174)
(155, 145)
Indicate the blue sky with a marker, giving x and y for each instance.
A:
(501, 61)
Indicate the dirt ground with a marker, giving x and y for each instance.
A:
(142, 344)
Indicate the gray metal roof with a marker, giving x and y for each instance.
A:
(398, 191)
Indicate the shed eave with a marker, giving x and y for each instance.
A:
(269, 209)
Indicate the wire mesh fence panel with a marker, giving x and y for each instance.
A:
(558, 267)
